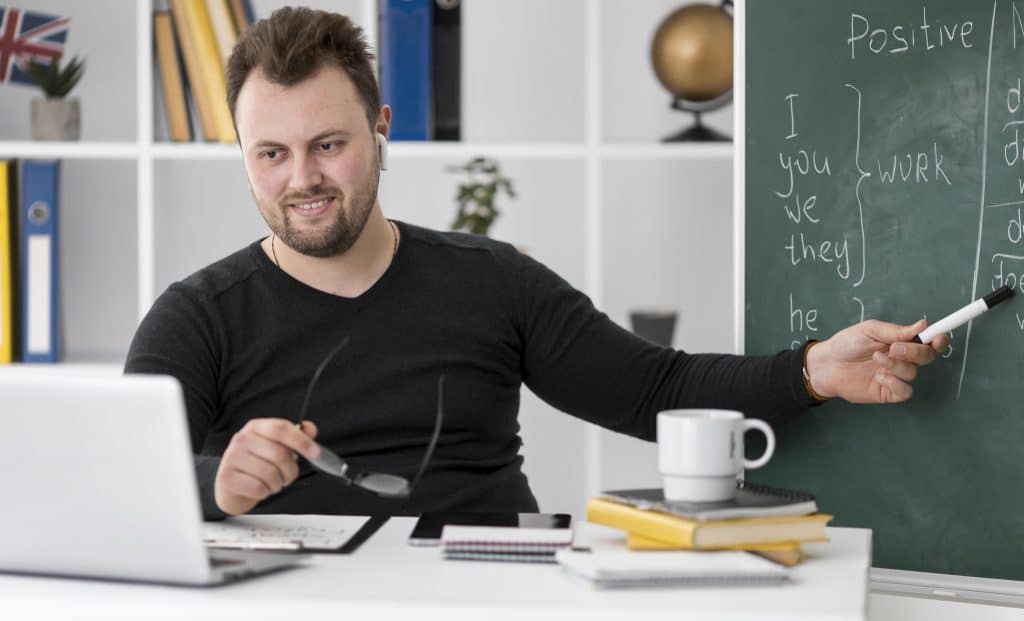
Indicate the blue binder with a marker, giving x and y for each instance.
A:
(406, 65)
(39, 261)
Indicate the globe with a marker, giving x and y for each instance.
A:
(692, 57)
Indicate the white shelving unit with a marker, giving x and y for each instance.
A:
(562, 94)
(70, 150)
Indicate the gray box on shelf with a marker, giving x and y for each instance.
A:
(655, 325)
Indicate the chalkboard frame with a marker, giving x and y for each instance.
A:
(935, 585)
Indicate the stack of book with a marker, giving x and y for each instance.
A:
(767, 521)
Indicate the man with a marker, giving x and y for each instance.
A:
(245, 335)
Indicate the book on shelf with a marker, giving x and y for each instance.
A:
(242, 14)
(10, 350)
(688, 533)
(751, 500)
(405, 54)
(223, 25)
(175, 104)
(40, 265)
(193, 72)
(447, 69)
(214, 82)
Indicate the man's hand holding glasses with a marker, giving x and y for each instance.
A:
(260, 461)
(262, 457)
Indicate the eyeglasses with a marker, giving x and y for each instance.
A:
(380, 483)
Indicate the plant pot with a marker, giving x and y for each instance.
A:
(55, 119)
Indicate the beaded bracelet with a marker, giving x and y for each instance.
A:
(807, 376)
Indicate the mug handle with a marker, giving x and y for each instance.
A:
(769, 435)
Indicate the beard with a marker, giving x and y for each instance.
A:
(334, 238)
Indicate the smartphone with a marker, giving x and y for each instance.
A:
(427, 531)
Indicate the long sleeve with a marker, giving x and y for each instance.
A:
(178, 337)
(581, 362)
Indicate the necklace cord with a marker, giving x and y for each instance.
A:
(394, 252)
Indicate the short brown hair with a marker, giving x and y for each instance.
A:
(296, 42)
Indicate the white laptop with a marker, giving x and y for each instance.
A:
(98, 481)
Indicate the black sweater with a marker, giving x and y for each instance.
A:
(244, 338)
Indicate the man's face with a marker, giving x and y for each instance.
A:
(311, 159)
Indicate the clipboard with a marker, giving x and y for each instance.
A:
(318, 534)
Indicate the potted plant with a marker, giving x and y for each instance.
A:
(475, 197)
(56, 117)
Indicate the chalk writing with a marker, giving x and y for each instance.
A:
(914, 167)
(903, 38)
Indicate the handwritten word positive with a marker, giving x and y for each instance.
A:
(904, 38)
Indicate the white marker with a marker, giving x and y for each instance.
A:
(965, 314)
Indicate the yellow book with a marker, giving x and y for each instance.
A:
(200, 95)
(238, 16)
(787, 558)
(214, 84)
(709, 535)
(223, 28)
(787, 553)
(7, 212)
(636, 541)
(170, 77)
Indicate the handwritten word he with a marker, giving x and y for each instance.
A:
(801, 321)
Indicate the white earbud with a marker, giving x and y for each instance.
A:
(382, 147)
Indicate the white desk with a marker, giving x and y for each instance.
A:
(386, 578)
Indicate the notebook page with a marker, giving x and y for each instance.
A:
(311, 531)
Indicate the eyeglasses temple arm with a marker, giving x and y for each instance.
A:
(316, 375)
(437, 433)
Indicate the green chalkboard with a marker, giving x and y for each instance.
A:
(884, 178)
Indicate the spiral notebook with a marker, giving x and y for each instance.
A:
(501, 543)
(751, 501)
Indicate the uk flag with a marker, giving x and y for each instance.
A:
(28, 35)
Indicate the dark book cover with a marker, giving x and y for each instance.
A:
(751, 501)
(447, 70)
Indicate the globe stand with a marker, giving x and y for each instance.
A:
(698, 132)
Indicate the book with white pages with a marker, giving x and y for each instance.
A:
(618, 568)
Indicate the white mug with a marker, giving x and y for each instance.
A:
(700, 452)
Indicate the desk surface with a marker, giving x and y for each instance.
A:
(386, 577)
